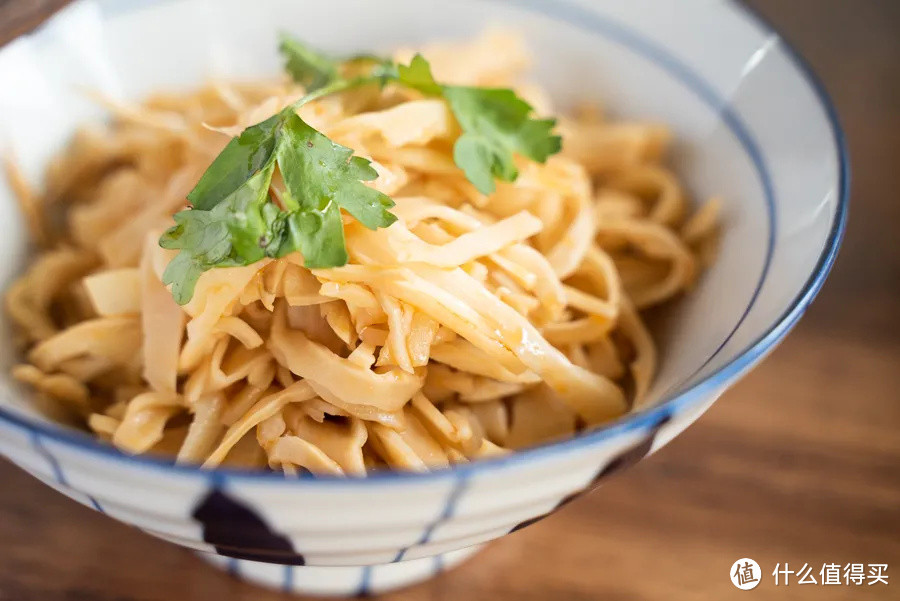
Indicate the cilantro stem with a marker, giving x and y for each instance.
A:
(343, 85)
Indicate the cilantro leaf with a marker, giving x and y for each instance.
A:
(234, 232)
(496, 123)
(182, 273)
(241, 159)
(310, 68)
(203, 240)
(317, 171)
(481, 161)
(418, 75)
(319, 236)
(249, 217)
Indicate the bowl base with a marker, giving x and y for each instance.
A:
(340, 581)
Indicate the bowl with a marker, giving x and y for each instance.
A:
(752, 124)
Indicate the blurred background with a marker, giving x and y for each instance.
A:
(799, 463)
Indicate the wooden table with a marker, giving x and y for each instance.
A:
(799, 463)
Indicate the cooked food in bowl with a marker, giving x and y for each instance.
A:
(374, 263)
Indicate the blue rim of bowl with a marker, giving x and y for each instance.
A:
(698, 392)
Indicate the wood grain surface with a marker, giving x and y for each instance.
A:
(798, 463)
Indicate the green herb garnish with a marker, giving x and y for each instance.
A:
(234, 221)
(496, 123)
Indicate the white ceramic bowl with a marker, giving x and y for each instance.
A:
(752, 123)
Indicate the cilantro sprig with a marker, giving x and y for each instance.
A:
(235, 222)
(496, 123)
(234, 219)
